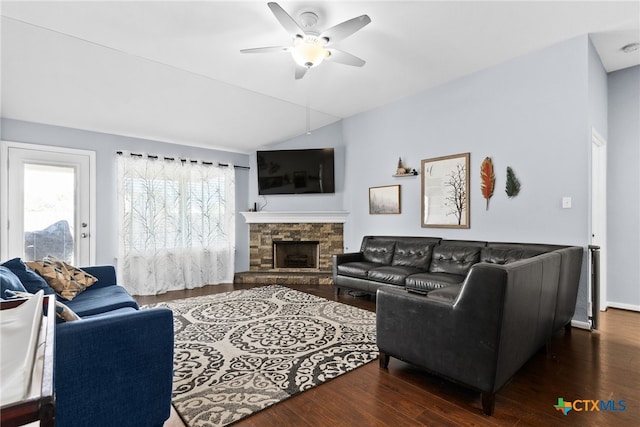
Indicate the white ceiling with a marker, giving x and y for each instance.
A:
(172, 71)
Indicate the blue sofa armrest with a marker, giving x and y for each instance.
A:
(115, 370)
(106, 275)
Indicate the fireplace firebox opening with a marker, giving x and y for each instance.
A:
(296, 254)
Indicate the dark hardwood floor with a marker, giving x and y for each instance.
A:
(580, 365)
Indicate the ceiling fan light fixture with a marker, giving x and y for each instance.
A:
(309, 45)
(309, 51)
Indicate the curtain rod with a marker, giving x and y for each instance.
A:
(152, 156)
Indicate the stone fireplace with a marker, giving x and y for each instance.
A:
(262, 237)
(292, 246)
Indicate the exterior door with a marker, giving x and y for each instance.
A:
(49, 205)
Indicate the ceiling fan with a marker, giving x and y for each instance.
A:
(310, 48)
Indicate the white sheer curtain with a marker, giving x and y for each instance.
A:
(177, 224)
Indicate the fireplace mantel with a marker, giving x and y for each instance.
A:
(283, 217)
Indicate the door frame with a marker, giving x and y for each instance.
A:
(4, 190)
(598, 224)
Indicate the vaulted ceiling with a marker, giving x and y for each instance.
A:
(172, 70)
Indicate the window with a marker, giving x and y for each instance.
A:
(177, 221)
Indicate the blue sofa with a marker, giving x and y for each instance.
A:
(114, 366)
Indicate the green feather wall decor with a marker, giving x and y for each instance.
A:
(513, 185)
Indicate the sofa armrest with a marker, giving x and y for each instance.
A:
(568, 284)
(457, 339)
(501, 316)
(338, 259)
(106, 275)
(347, 257)
(115, 370)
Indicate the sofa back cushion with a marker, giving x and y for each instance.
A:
(378, 251)
(412, 254)
(454, 259)
(506, 255)
(536, 247)
(9, 281)
(31, 280)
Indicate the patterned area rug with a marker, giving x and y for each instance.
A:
(239, 352)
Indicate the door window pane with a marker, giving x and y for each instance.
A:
(49, 213)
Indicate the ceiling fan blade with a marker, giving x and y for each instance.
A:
(300, 71)
(286, 20)
(345, 58)
(265, 49)
(345, 29)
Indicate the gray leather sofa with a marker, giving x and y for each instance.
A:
(473, 312)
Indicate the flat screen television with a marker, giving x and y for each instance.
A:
(303, 171)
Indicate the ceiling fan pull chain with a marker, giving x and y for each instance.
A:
(308, 114)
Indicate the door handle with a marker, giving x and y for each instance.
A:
(84, 235)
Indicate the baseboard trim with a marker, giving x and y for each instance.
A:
(581, 325)
(623, 306)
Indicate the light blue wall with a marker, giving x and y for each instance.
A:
(105, 146)
(598, 93)
(623, 189)
(532, 113)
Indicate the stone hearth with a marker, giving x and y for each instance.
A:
(324, 229)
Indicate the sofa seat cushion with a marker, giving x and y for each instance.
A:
(391, 274)
(412, 254)
(454, 259)
(448, 294)
(425, 282)
(357, 268)
(100, 300)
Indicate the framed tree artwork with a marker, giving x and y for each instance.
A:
(384, 200)
(445, 192)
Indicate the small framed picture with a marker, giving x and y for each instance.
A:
(384, 200)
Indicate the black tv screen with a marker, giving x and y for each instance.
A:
(295, 171)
